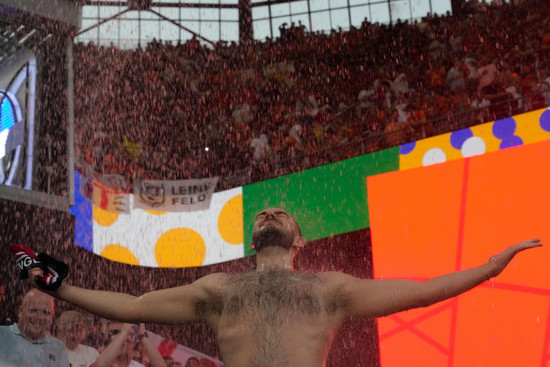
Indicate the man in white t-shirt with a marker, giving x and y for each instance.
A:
(72, 331)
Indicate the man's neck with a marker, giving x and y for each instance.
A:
(274, 257)
(30, 336)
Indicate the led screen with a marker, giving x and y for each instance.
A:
(447, 217)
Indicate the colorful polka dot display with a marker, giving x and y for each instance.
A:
(522, 129)
(186, 239)
(162, 239)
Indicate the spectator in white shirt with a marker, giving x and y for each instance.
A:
(72, 331)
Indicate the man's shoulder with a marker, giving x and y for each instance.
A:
(213, 284)
(8, 331)
(335, 280)
(333, 275)
(215, 278)
(52, 340)
(5, 331)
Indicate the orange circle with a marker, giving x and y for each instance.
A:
(180, 247)
(103, 217)
(119, 253)
(230, 221)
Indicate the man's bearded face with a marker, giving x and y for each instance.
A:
(273, 235)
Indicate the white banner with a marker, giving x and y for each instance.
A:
(174, 196)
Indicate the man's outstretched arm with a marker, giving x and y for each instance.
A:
(376, 298)
(188, 303)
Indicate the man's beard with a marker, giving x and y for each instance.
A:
(272, 236)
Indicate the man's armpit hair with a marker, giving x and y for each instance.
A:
(204, 308)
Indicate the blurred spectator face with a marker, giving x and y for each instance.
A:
(35, 314)
(72, 329)
(74, 336)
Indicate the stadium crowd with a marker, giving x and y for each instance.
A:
(248, 112)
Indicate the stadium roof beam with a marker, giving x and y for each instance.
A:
(117, 15)
(181, 26)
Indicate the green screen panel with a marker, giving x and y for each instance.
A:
(327, 200)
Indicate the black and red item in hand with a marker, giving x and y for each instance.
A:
(55, 271)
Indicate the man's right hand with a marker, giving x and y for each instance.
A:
(48, 274)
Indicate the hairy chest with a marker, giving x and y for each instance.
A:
(274, 295)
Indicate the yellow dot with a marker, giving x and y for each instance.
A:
(180, 247)
(154, 212)
(103, 217)
(119, 253)
(230, 221)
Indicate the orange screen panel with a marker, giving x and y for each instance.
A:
(433, 220)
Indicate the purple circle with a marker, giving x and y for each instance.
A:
(511, 141)
(460, 136)
(545, 120)
(504, 128)
(407, 147)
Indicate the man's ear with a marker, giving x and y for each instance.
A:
(251, 247)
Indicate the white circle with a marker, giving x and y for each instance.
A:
(434, 156)
(473, 146)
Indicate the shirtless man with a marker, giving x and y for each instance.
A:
(275, 316)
